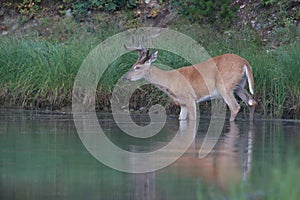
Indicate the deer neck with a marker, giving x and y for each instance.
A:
(161, 79)
(157, 76)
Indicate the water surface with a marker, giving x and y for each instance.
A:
(42, 157)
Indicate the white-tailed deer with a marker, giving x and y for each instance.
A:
(219, 77)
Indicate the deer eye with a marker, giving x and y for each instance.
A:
(137, 67)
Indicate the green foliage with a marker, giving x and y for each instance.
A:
(82, 7)
(212, 11)
(79, 8)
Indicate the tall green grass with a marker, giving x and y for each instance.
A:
(277, 83)
(38, 73)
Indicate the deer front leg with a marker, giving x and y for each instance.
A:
(188, 110)
(192, 111)
(183, 112)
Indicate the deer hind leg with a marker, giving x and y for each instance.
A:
(232, 104)
(247, 99)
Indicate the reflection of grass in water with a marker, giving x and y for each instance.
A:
(281, 183)
(36, 73)
(275, 165)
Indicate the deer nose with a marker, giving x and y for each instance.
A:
(125, 78)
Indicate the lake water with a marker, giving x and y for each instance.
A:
(42, 157)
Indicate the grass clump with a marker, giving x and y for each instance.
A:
(277, 85)
(38, 73)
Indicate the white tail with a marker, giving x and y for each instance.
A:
(219, 77)
(249, 78)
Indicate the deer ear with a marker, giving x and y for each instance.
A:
(153, 57)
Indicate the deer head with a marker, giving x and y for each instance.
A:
(141, 68)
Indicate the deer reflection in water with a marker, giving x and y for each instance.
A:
(226, 165)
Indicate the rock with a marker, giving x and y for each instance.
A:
(68, 13)
(5, 33)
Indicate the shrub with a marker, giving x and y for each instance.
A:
(212, 11)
